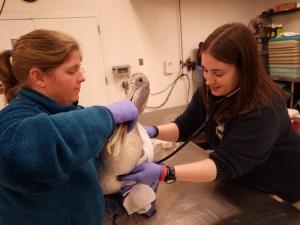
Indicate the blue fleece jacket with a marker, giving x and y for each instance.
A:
(48, 168)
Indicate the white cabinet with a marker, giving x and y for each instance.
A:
(94, 90)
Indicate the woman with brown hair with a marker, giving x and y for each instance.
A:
(248, 126)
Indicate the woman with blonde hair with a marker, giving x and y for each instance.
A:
(49, 143)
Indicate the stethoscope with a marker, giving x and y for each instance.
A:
(200, 129)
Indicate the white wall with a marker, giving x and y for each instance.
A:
(147, 29)
(200, 18)
(143, 29)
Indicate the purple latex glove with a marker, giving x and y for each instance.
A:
(124, 111)
(152, 131)
(145, 173)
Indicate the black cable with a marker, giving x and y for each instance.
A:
(181, 45)
(173, 85)
(166, 87)
(169, 94)
(181, 74)
(2, 7)
(189, 86)
(180, 30)
(200, 129)
(194, 79)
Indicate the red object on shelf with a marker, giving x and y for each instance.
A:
(296, 125)
(296, 122)
(285, 6)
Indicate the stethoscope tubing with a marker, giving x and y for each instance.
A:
(200, 129)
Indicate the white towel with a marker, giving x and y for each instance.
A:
(139, 199)
(141, 196)
(147, 146)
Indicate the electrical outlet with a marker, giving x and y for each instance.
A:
(169, 65)
(141, 62)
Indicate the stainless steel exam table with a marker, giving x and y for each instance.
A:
(214, 203)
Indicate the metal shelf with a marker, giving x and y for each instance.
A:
(271, 14)
(292, 81)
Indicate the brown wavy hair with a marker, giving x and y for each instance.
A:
(234, 43)
(44, 49)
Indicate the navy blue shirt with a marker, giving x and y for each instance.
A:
(260, 149)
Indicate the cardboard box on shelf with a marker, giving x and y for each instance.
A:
(285, 6)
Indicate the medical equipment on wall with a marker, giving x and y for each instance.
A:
(200, 129)
(122, 70)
